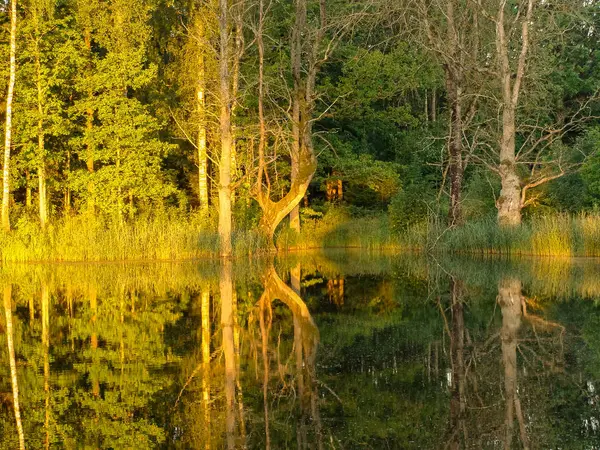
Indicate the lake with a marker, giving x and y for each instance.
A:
(338, 350)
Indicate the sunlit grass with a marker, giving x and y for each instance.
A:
(178, 236)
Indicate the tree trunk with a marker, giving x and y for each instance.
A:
(226, 138)
(275, 212)
(43, 202)
(13, 364)
(201, 112)
(509, 202)
(455, 146)
(8, 129)
(89, 123)
(296, 55)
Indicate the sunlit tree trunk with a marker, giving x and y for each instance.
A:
(42, 192)
(238, 48)
(28, 194)
(9, 111)
(206, 364)
(296, 56)
(227, 324)
(226, 137)
(510, 300)
(201, 116)
(13, 363)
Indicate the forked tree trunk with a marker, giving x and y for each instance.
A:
(8, 129)
(275, 212)
(303, 159)
(226, 137)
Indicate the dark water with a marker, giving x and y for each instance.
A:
(373, 352)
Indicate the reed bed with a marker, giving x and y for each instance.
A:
(177, 236)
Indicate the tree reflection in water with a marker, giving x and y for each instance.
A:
(406, 355)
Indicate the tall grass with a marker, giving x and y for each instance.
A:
(178, 236)
(552, 235)
(167, 236)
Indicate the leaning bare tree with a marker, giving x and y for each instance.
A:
(314, 38)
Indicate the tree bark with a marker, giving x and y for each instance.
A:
(201, 117)
(42, 192)
(8, 129)
(455, 145)
(226, 137)
(509, 203)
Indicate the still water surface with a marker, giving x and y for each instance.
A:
(325, 351)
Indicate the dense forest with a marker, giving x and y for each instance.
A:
(211, 122)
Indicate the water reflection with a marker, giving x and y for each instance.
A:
(325, 351)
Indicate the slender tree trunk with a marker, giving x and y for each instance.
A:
(43, 201)
(456, 169)
(89, 124)
(8, 129)
(201, 113)
(28, 194)
(13, 364)
(296, 55)
(226, 137)
(238, 48)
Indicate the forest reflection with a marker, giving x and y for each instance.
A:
(321, 351)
